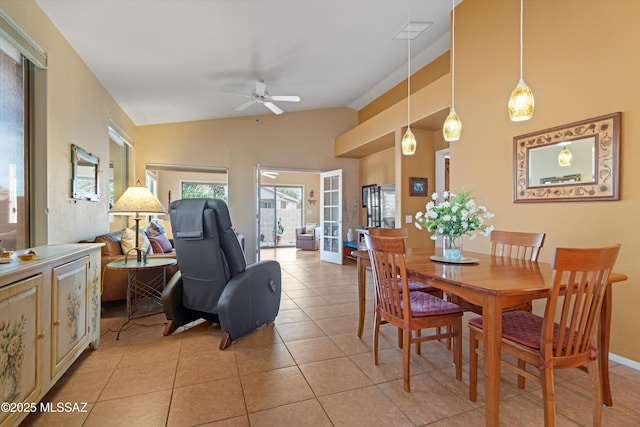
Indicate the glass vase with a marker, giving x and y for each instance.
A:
(452, 248)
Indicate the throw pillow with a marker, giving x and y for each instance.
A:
(162, 243)
(153, 229)
(309, 228)
(156, 247)
(128, 241)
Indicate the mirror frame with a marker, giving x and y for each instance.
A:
(78, 154)
(605, 129)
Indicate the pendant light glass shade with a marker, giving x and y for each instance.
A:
(452, 129)
(409, 139)
(565, 158)
(521, 102)
(408, 143)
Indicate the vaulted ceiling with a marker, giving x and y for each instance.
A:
(181, 60)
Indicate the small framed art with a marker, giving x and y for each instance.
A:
(417, 186)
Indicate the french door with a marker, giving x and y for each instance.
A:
(331, 216)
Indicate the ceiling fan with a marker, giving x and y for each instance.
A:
(261, 96)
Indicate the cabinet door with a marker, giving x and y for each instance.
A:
(20, 344)
(70, 312)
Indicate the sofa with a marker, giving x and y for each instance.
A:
(114, 281)
(307, 237)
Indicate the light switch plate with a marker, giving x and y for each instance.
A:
(408, 219)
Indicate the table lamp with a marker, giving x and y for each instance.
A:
(135, 201)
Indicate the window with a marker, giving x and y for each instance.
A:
(14, 170)
(209, 190)
(20, 63)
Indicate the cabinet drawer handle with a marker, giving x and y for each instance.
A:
(41, 335)
(56, 323)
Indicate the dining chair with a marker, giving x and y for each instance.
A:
(515, 245)
(566, 336)
(410, 311)
(402, 232)
(414, 285)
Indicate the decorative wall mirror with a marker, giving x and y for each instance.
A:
(574, 162)
(84, 175)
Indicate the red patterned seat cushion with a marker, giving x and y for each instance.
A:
(419, 286)
(423, 304)
(521, 327)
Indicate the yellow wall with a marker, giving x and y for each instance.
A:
(301, 141)
(77, 112)
(576, 71)
(421, 78)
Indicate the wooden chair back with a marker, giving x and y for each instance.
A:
(581, 275)
(386, 255)
(389, 232)
(516, 244)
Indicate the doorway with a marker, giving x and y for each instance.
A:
(276, 191)
(280, 214)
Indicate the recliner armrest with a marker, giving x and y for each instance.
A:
(251, 298)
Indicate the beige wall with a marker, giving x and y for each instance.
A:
(300, 141)
(576, 71)
(77, 112)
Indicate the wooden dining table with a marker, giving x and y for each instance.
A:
(492, 283)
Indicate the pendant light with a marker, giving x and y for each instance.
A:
(452, 128)
(565, 157)
(409, 139)
(521, 103)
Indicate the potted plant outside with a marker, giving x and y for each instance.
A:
(279, 231)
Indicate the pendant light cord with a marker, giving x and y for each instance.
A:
(453, 54)
(408, 63)
(521, 15)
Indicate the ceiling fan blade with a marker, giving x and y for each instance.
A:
(273, 108)
(261, 88)
(288, 98)
(246, 105)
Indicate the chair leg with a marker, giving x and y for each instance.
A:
(548, 396)
(457, 348)
(596, 391)
(169, 328)
(418, 335)
(406, 357)
(226, 341)
(376, 335)
(473, 365)
(522, 365)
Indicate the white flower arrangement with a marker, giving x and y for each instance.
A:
(454, 216)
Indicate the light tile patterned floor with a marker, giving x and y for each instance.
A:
(308, 369)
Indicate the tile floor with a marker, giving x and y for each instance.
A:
(307, 369)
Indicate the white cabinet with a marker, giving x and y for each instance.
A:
(20, 343)
(49, 314)
(69, 312)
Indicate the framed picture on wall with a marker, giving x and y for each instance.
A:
(417, 186)
(365, 194)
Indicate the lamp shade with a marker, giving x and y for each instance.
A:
(137, 200)
(408, 143)
(452, 129)
(565, 158)
(521, 103)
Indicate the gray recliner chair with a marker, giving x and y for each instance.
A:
(214, 281)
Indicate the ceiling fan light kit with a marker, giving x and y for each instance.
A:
(261, 96)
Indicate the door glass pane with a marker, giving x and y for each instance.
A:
(13, 194)
(280, 215)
